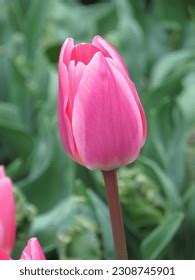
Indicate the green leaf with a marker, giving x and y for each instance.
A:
(13, 131)
(166, 78)
(187, 100)
(79, 239)
(167, 125)
(189, 198)
(50, 172)
(46, 226)
(34, 22)
(170, 65)
(142, 202)
(102, 215)
(154, 244)
(169, 189)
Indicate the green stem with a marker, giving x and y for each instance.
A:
(110, 179)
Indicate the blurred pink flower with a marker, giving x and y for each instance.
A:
(101, 120)
(33, 250)
(7, 213)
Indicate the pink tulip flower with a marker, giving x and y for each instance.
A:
(101, 120)
(33, 250)
(3, 255)
(7, 213)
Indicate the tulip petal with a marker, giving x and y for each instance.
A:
(136, 96)
(65, 98)
(66, 51)
(3, 255)
(141, 110)
(105, 47)
(118, 62)
(33, 251)
(84, 52)
(75, 73)
(106, 121)
(7, 215)
(63, 120)
(2, 171)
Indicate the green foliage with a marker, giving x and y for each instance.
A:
(62, 203)
(156, 241)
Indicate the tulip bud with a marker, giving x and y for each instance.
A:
(33, 251)
(101, 120)
(7, 213)
(3, 255)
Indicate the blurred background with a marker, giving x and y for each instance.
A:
(62, 203)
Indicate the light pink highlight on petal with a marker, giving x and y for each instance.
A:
(7, 215)
(33, 251)
(106, 123)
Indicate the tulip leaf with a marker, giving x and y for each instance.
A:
(102, 215)
(13, 132)
(167, 185)
(46, 226)
(163, 69)
(154, 244)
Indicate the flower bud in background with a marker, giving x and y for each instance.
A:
(33, 251)
(7, 213)
(3, 255)
(101, 120)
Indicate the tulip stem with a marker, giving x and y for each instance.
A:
(110, 179)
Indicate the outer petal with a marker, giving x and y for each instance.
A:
(142, 113)
(63, 119)
(7, 215)
(136, 96)
(107, 125)
(2, 171)
(3, 255)
(33, 251)
(68, 84)
(104, 46)
(75, 73)
(66, 51)
(121, 66)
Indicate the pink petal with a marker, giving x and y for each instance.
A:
(75, 73)
(83, 52)
(136, 96)
(121, 66)
(33, 251)
(141, 110)
(63, 119)
(2, 171)
(68, 84)
(66, 50)
(105, 47)
(106, 122)
(7, 215)
(4, 255)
